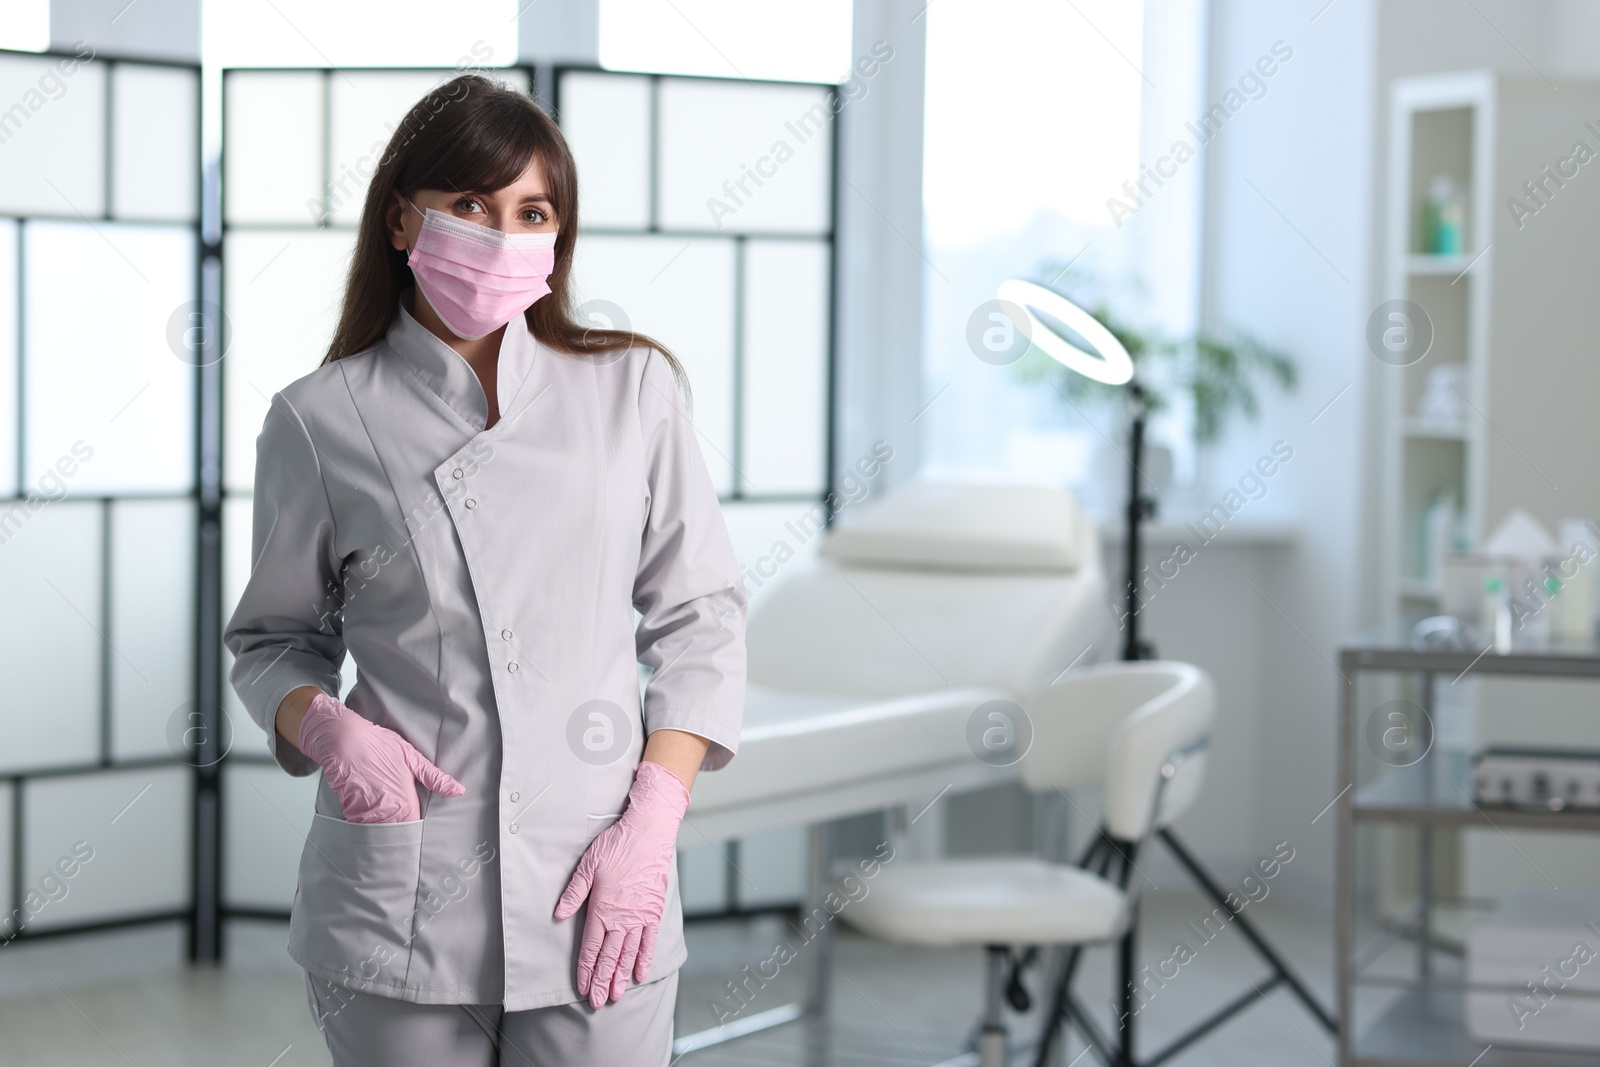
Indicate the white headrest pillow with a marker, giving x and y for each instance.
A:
(962, 527)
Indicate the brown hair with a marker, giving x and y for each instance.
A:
(471, 134)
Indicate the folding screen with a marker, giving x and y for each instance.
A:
(99, 254)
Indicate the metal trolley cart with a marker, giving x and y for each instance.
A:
(1426, 1023)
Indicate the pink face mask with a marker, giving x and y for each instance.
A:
(476, 277)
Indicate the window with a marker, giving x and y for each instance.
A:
(807, 41)
(1018, 173)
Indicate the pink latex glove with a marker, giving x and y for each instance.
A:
(370, 767)
(624, 875)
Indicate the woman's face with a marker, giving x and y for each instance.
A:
(522, 207)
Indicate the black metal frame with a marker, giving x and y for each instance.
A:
(18, 780)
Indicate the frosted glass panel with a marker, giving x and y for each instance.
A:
(283, 290)
(511, 78)
(235, 573)
(606, 121)
(702, 877)
(155, 131)
(273, 146)
(129, 833)
(367, 106)
(745, 158)
(8, 358)
(50, 585)
(53, 131)
(152, 623)
(772, 540)
(109, 383)
(728, 39)
(679, 291)
(773, 865)
(785, 375)
(247, 736)
(266, 816)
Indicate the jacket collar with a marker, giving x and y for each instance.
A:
(445, 372)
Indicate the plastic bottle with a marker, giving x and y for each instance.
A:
(1495, 618)
(1573, 614)
(1439, 524)
(1531, 613)
(1446, 217)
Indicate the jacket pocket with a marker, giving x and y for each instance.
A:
(354, 914)
(605, 795)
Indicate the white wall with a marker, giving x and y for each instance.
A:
(1287, 258)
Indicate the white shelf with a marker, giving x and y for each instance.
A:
(1243, 533)
(1418, 589)
(1437, 431)
(1429, 1028)
(1431, 264)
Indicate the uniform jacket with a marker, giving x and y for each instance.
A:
(486, 584)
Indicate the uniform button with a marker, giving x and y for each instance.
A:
(512, 666)
(515, 796)
(513, 827)
(456, 473)
(506, 634)
(471, 503)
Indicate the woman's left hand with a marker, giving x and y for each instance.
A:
(623, 874)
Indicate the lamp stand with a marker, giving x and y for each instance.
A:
(1064, 1007)
(1141, 506)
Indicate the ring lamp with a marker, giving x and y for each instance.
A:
(1109, 362)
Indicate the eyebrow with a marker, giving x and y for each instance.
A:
(525, 200)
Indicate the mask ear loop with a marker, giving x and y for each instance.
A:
(424, 214)
(419, 211)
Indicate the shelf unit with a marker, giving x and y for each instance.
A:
(1438, 125)
(1425, 1025)
(1514, 312)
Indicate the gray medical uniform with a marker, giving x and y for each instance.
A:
(363, 1030)
(485, 582)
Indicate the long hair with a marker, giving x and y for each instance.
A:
(471, 134)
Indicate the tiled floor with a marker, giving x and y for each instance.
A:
(125, 999)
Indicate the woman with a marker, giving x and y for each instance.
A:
(472, 495)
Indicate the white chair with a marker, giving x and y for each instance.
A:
(1136, 730)
(866, 666)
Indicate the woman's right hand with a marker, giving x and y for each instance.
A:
(369, 767)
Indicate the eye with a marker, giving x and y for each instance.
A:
(533, 216)
(467, 205)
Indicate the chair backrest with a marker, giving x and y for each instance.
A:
(1119, 726)
(984, 592)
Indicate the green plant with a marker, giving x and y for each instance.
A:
(1219, 375)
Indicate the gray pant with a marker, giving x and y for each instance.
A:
(366, 1030)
